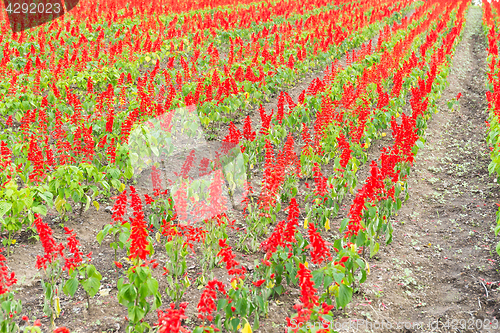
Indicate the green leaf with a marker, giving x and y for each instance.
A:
(4, 207)
(343, 224)
(87, 204)
(327, 281)
(345, 296)
(374, 246)
(152, 285)
(40, 209)
(199, 329)
(70, 287)
(142, 274)
(129, 171)
(47, 196)
(155, 150)
(256, 322)
(115, 173)
(279, 289)
(338, 277)
(59, 203)
(221, 303)
(234, 323)
(127, 292)
(135, 314)
(91, 285)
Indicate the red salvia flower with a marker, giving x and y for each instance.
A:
(320, 182)
(346, 150)
(307, 290)
(293, 221)
(170, 320)
(281, 103)
(7, 279)
(139, 233)
(120, 208)
(111, 151)
(217, 199)
(234, 135)
(275, 240)
(73, 247)
(206, 305)
(52, 250)
(266, 120)
(227, 256)
(319, 249)
(258, 283)
(247, 130)
(109, 121)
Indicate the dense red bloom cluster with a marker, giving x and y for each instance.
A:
(139, 231)
(358, 206)
(73, 247)
(293, 221)
(266, 120)
(170, 320)
(227, 255)
(61, 330)
(120, 208)
(6, 160)
(405, 137)
(234, 135)
(189, 233)
(346, 150)
(318, 246)
(248, 133)
(307, 291)
(35, 156)
(111, 151)
(284, 233)
(127, 125)
(290, 162)
(303, 315)
(206, 305)
(109, 121)
(270, 181)
(320, 182)
(258, 283)
(275, 240)
(281, 103)
(52, 250)
(7, 278)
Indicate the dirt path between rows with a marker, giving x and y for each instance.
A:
(439, 268)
